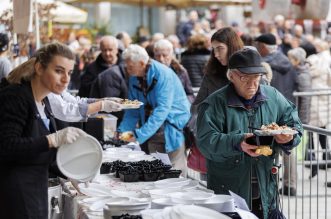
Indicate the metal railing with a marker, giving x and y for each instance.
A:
(311, 176)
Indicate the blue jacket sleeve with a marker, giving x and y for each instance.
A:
(163, 93)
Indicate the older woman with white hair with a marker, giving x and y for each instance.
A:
(166, 108)
(297, 57)
(164, 53)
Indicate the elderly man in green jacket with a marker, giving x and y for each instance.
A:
(224, 123)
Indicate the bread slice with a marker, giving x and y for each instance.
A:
(263, 150)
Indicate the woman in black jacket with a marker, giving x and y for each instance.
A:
(224, 43)
(195, 58)
(28, 136)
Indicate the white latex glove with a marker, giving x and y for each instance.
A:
(110, 106)
(65, 136)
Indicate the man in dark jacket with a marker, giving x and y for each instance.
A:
(283, 73)
(107, 58)
(284, 77)
(112, 82)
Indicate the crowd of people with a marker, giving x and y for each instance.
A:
(245, 80)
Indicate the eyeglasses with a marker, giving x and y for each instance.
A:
(254, 77)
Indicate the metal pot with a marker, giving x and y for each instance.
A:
(54, 199)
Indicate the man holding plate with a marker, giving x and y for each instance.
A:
(223, 126)
(165, 110)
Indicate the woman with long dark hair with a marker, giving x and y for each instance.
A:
(224, 43)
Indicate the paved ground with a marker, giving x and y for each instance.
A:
(312, 196)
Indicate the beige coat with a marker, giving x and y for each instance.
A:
(320, 114)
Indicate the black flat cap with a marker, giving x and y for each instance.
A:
(247, 61)
(267, 38)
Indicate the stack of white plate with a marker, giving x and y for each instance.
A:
(190, 197)
(220, 203)
(183, 211)
(80, 160)
(94, 190)
(128, 194)
(161, 203)
(172, 183)
(119, 206)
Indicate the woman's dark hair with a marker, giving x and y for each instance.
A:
(44, 56)
(231, 39)
(247, 39)
(309, 48)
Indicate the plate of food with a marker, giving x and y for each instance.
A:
(126, 136)
(126, 103)
(131, 104)
(275, 129)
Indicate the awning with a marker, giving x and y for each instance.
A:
(175, 3)
(63, 13)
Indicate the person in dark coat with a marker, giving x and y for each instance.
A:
(195, 58)
(28, 131)
(224, 43)
(164, 53)
(113, 82)
(283, 73)
(108, 57)
(223, 126)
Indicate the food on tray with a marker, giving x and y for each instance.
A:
(126, 136)
(130, 102)
(274, 126)
(263, 150)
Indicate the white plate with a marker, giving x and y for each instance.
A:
(80, 160)
(94, 199)
(118, 149)
(151, 213)
(275, 132)
(220, 203)
(123, 203)
(161, 193)
(125, 106)
(129, 194)
(190, 211)
(160, 203)
(94, 190)
(131, 106)
(190, 197)
(172, 182)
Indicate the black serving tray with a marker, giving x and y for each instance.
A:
(129, 177)
(260, 140)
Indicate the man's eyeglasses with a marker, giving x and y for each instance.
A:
(246, 78)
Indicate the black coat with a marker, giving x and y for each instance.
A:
(194, 62)
(113, 82)
(283, 74)
(91, 73)
(25, 156)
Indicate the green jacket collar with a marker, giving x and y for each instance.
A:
(234, 100)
